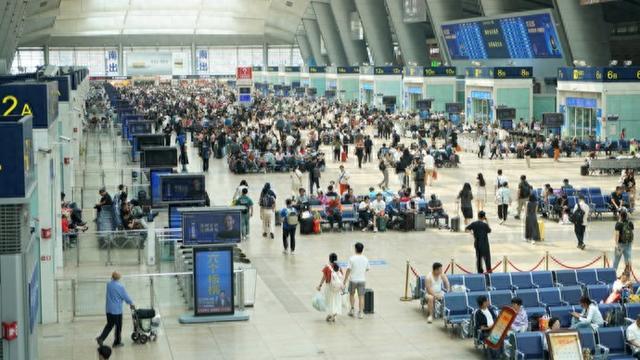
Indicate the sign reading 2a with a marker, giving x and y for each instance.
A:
(11, 106)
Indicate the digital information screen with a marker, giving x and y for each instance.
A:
(552, 120)
(504, 113)
(219, 226)
(521, 37)
(213, 281)
(143, 141)
(181, 188)
(154, 180)
(160, 157)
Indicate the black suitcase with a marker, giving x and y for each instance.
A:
(306, 226)
(278, 219)
(584, 170)
(409, 222)
(368, 301)
(455, 224)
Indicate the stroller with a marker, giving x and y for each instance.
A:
(145, 325)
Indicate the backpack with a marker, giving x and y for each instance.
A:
(382, 166)
(626, 234)
(292, 218)
(615, 317)
(525, 192)
(316, 172)
(420, 172)
(267, 201)
(577, 217)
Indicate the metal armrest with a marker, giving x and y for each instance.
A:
(514, 287)
(491, 288)
(541, 304)
(603, 350)
(565, 303)
(519, 355)
(558, 285)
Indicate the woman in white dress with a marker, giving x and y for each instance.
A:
(481, 192)
(333, 281)
(296, 182)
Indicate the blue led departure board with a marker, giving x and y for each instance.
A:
(521, 37)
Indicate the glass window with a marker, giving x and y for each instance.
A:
(61, 57)
(296, 57)
(223, 61)
(93, 59)
(250, 56)
(27, 60)
(279, 56)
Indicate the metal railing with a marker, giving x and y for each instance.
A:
(124, 247)
(87, 196)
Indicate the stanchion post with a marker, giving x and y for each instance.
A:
(406, 284)
(604, 259)
(453, 265)
(505, 266)
(546, 260)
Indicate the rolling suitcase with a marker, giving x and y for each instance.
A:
(409, 222)
(584, 170)
(306, 226)
(420, 223)
(278, 219)
(343, 156)
(381, 224)
(541, 229)
(455, 224)
(368, 301)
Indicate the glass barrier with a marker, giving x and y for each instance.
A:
(107, 248)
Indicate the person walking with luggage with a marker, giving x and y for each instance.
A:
(333, 278)
(245, 201)
(343, 180)
(623, 239)
(464, 200)
(480, 229)
(267, 204)
(289, 217)
(503, 199)
(531, 227)
(356, 278)
(524, 190)
(579, 218)
(116, 295)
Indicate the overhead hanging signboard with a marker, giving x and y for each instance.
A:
(600, 74)
(500, 72)
(149, 63)
(531, 36)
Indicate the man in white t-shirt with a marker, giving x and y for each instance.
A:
(633, 336)
(377, 206)
(356, 276)
(429, 167)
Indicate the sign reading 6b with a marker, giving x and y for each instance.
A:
(9, 105)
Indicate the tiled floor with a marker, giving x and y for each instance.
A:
(283, 325)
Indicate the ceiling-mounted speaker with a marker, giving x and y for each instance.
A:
(289, 3)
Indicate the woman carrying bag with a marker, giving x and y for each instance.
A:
(333, 278)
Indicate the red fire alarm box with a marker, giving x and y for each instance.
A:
(75, 130)
(45, 233)
(9, 330)
(67, 160)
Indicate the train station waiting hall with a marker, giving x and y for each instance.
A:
(339, 179)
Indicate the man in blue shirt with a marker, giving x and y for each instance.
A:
(116, 294)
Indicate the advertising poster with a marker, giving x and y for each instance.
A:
(112, 62)
(149, 63)
(213, 281)
(564, 345)
(220, 226)
(500, 328)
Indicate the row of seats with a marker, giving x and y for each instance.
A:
(604, 343)
(534, 279)
(597, 201)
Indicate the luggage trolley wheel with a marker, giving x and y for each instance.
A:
(143, 339)
(135, 337)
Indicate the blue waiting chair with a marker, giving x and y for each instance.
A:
(613, 343)
(599, 205)
(605, 309)
(550, 297)
(528, 346)
(571, 294)
(588, 341)
(632, 310)
(455, 280)
(456, 309)
(500, 298)
(595, 191)
(587, 277)
(500, 281)
(563, 313)
(523, 280)
(607, 275)
(531, 302)
(566, 278)
(598, 293)
(475, 282)
(542, 279)
(472, 299)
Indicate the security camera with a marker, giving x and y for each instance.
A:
(64, 138)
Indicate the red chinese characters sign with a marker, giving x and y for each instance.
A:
(244, 73)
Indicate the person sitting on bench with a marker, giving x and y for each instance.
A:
(434, 206)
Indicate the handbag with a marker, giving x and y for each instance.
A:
(435, 175)
(317, 301)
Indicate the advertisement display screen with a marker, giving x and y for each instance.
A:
(154, 180)
(504, 113)
(143, 141)
(182, 187)
(160, 157)
(552, 120)
(216, 226)
(519, 37)
(454, 108)
(213, 281)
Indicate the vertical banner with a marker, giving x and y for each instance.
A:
(213, 281)
(203, 61)
(112, 62)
